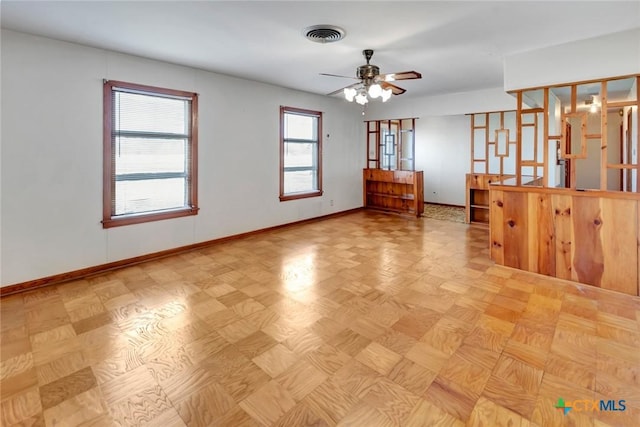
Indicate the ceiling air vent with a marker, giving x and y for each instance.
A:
(324, 33)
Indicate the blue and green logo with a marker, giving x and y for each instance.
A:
(586, 405)
(565, 408)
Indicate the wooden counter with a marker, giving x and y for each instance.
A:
(589, 237)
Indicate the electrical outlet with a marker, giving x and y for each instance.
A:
(331, 202)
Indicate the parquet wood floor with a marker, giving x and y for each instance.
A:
(361, 320)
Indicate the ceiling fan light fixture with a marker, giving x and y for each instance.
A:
(372, 84)
(386, 94)
(361, 98)
(349, 93)
(375, 90)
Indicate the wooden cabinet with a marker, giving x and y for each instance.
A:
(394, 191)
(477, 196)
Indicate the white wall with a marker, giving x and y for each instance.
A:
(442, 152)
(51, 176)
(590, 59)
(479, 101)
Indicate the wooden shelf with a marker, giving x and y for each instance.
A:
(478, 198)
(394, 191)
(393, 196)
(392, 210)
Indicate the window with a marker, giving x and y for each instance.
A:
(300, 153)
(150, 154)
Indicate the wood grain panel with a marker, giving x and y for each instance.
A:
(71, 385)
(585, 237)
(564, 191)
(561, 206)
(496, 225)
(618, 244)
(301, 416)
(541, 215)
(516, 244)
(419, 190)
(588, 257)
(475, 181)
(467, 199)
(532, 232)
(268, 404)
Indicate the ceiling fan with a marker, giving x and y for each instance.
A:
(372, 83)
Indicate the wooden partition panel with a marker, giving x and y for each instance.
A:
(583, 236)
(493, 142)
(571, 134)
(391, 144)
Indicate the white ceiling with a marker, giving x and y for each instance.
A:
(457, 46)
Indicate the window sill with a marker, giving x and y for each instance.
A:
(142, 218)
(296, 196)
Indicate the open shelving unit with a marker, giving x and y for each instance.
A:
(390, 182)
(478, 200)
(394, 191)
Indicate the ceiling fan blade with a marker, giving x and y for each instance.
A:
(337, 75)
(404, 75)
(335, 92)
(396, 90)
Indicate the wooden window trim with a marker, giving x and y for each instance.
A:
(302, 195)
(108, 183)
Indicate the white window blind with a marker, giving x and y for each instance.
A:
(301, 152)
(151, 152)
